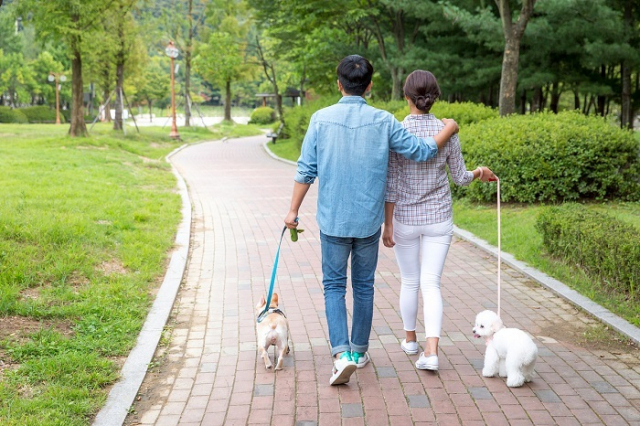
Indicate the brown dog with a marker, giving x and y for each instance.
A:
(272, 331)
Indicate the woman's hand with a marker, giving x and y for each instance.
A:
(387, 236)
(485, 174)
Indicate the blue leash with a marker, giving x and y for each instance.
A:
(264, 313)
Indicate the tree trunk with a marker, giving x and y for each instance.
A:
(626, 118)
(513, 33)
(523, 102)
(150, 102)
(555, 97)
(576, 100)
(509, 79)
(187, 70)
(227, 101)
(78, 126)
(396, 80)
(119, 102)
(601, 98)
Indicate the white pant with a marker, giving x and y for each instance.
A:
(421, 251)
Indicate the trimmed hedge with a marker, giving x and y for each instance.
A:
(604, 247)
(9, 115)
(464, 113)
(41, 114)
(263, 115)
(550, 158)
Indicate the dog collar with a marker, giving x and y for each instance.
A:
(275, 311)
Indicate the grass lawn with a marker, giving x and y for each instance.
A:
(520, 238)
(85, 227)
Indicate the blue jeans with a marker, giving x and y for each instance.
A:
(364, 260)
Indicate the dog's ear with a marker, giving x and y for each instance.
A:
(274, 300)
(497, 324)
(263, 301)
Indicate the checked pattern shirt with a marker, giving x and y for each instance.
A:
(420, 190)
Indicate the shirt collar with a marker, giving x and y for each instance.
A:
(426, 116)
(352, 100)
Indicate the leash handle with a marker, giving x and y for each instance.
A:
(263, 314)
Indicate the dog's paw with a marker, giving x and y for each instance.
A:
(488, 373)
(515, 382)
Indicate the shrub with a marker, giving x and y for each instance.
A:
(9, 115)
(548, 158)
(464, 113)
(41, 114)
(263, 115)
(604, 247)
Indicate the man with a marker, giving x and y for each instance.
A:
(347, 148)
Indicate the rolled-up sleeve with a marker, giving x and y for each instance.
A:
(455, 161)
(308, 162)
(408, 145)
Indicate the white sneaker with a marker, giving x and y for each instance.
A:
(410, 348)
(361, 359)
(427, 362)
(343, 368)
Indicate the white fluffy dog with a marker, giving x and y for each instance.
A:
(510, 352)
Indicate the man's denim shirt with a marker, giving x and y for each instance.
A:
(347, 148)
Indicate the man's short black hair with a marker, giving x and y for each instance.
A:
(354, 73)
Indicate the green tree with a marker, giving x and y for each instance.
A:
(154, 83)
(221, 61)
(17, 77)
(70, 22)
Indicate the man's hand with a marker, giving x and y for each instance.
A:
(290, 220)
(451, 122)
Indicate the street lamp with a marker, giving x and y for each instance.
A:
(57, 77)
(173, 52)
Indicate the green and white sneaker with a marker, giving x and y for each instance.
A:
(361, 359)
(343, 368)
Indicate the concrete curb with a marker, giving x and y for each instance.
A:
(562, 290)
(275, 157)
(133, 372)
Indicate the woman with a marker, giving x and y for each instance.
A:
(418, 217)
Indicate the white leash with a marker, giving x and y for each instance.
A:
(499, 246)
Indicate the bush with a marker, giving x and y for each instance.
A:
(549, 158)
(9, 115)
(464, 113)
(41, 114)
(605, 248)
(263, 115)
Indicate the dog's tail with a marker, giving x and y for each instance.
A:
(272, 336)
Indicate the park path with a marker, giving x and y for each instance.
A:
(207, 371)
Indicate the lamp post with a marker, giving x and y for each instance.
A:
(57, 77)
(173, 52)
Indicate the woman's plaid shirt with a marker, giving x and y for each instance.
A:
(421, 191)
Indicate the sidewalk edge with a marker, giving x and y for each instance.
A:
(274, 156)
(124, 391)
(619, 324)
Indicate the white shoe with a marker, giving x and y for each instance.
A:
(410, 348)
(343, 368)
(361, 359)
(427, 362)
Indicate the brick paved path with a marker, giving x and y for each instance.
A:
(211, 373)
